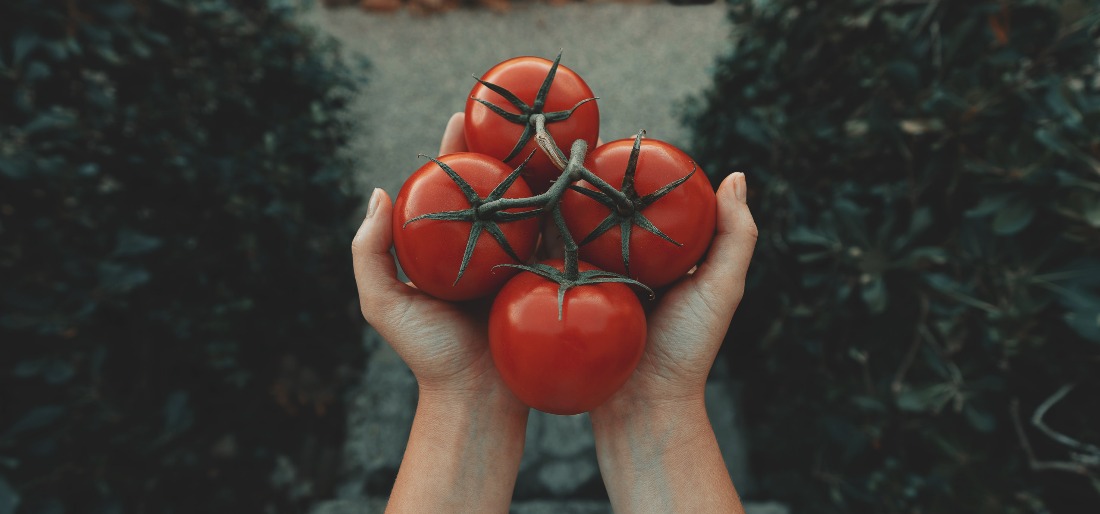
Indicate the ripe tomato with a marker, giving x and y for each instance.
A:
(490, 133)
(574, 364)
(431, 251)
(686, 214)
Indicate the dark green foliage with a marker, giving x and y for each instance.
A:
(926, 179)
(176, 304)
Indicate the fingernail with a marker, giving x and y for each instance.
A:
(373, 204)
(740, 189)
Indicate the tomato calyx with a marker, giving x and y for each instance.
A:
(570, 278)
(527, 113)
(626, 215)
(480, 221)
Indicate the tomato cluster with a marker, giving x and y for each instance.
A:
(564, 334)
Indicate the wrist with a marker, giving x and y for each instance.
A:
(670, 421)
(662, 456)
(463, 453)
(492, 405)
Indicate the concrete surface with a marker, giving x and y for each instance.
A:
(641, 60)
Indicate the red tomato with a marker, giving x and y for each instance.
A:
(490, 133)
(430, 251)
(574, 364)
(687, 214)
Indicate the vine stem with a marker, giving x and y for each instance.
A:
(572, 170)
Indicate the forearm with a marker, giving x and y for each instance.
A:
(463, 455)
(662, 459)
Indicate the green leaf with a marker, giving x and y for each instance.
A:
(118, 278)
(1085, 322)
(131, 242)
(868, 403)
(24, 43)
(913, 401)
(1013, 217)
(9, 497)
(989, 204)
(874, 294)
(925, 399)
(49, 120)
(37, 418)
(981, 420)
(1053, 141)
(178, 416)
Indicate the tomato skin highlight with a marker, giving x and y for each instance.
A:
(430, 251)
(488, 133)
(688, 214)
(571, 365)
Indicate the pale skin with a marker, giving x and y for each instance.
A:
(656, 448)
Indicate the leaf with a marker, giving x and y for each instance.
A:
(803, 235)
(58, 372)
(178, 416)
(49, 120)
(117, 278)
(1053, 141)
(934, 254)
(22, 46)
(874, 294)
(1013, 217)
(28, 368)
(9, 497)
(990, 203)
(1085, 322)
(13, 167)
(981, 420)
(116, 11)
(913, 401)
(926, 399)
(131, 242)
(37, 418)
(868, 403)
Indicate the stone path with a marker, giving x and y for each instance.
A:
(643, 61)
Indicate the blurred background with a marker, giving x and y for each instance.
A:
(180, 180)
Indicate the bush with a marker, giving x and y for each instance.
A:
(177, 306)
(926, 179)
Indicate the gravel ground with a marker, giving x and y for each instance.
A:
(642, 60)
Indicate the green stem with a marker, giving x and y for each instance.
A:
(623, 205)
(572, 259)
(546, 142)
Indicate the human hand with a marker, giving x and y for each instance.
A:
(656, 448)
(468, 432)
(443, 343)
(687, 326)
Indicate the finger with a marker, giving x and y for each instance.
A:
(722, 273)
(375, 271)
(454, 136)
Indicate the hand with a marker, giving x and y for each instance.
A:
(468, 433)
(444, 344)
(656, 448)
(687, 326)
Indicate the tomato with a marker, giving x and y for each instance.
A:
(431, 251)
(568, 365)
(490, 133)
(687, 214)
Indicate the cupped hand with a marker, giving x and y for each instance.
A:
(444, 344)
(687, 326)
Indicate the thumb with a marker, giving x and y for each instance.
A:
(721, 276)
(375, 271)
